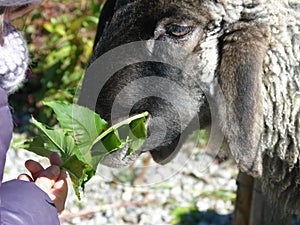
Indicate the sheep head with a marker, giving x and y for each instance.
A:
(227, 52)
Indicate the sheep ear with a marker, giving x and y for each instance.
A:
(243, 48)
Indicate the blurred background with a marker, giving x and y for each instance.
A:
(60, 37)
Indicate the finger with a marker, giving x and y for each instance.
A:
(63, 174)
(55, 159)
(61, 182)
(60, 191)
(25, 177)
(47, 178)
(34, 168)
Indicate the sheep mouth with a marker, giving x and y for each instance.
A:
(123, 157)
(120, 158)
(159, 143)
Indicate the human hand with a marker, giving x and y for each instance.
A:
(51, 180)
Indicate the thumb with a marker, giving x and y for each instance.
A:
(47, 178)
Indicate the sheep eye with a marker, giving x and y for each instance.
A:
(178, 31)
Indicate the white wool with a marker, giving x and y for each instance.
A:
(13, 59)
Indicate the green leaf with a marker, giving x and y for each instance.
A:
(141, 118)
(49, 27)
(36, 145)
(60, 29)
(50, 141)
(54, 141)
(108, 143)
(79, 171)
(82, 152)
(76, 24)
(85, 124)
(186, 215)
(131, 131)
(138, 134)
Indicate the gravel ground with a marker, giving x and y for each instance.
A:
(194, 189)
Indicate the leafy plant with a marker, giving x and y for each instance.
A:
(190, 215)
(186, 215)
(60, 36)
(199, 137)
(225, 195)
(81, 140)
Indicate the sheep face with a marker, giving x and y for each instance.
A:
(217, 57)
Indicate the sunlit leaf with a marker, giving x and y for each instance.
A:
(81, 142)
(83, 124)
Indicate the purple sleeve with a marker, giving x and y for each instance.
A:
(6, 127)
(23, 203)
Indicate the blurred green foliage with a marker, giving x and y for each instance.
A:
(190, 215)
(199, 137)
(60, 35)
(186, 215)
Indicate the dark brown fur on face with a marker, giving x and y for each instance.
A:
(231, 54)
(240, 75)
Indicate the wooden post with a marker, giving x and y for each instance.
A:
(263, 212)
(243, 199)
(252, 207)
